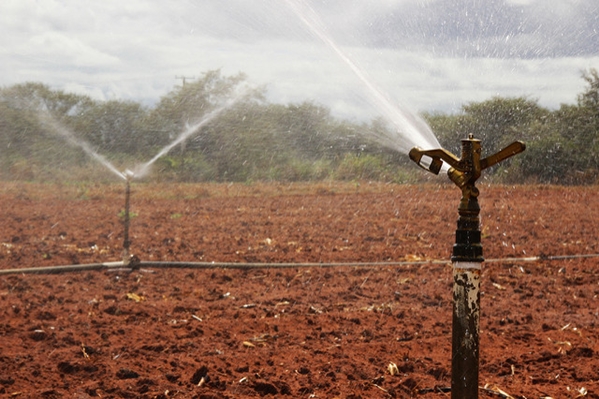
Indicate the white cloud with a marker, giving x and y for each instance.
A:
(69, 51)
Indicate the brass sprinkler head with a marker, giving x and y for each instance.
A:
(464, 171)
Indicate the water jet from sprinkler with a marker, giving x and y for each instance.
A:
(144, 169)
(410, 129)
(48, 120)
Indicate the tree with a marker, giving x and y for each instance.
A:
(590, 98)
(496, 122)
(577, 128)
(39, 97)
(187, 104)
(499, 121)
(114, 127)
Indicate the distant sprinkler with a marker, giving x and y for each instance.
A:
(129, 174)
(467, 256)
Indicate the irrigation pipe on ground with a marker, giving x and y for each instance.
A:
(237, 265)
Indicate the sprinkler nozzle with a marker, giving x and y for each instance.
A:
(129, 174)
(432, 160)
(432, 164)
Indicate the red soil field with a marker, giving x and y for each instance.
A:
(327, 331)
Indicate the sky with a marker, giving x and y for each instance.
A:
(427, 55)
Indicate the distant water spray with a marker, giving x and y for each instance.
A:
(411, 130)
(55, 127)
(145, 168)
(64, 132)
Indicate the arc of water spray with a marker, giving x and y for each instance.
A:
(67, 134)
(140, 171)
(410, 126)
(143, 169)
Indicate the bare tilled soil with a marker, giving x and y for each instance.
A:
(329, 331)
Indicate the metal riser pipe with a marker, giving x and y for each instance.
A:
(465, 330)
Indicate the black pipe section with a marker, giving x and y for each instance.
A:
(196, 265)
(238, 265)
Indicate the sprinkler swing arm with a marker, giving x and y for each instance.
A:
(465, 171)
(467, 255)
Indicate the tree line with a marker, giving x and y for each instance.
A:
(252, 139)
(562, 145)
